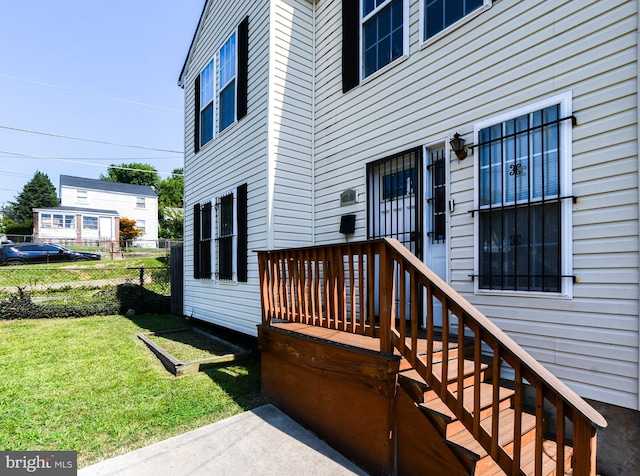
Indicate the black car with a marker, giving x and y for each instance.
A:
(27, 253)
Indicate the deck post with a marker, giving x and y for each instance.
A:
(386, 298)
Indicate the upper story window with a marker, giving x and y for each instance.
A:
(224, 78)
(382, 33)
(440, 14)
(524, 216)
(228, 68)
(140, 202)
(207, 82)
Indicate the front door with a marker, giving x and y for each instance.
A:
(395, 204)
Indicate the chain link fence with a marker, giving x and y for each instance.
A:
(75, 291)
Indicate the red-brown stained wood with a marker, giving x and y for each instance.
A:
(421, 449)
(343, 395)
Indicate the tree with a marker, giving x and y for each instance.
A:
(128, 230)
(39, 192)
(135, 174)
(170, 212)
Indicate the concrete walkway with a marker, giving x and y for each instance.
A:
(263, 441)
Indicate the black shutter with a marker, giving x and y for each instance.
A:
(196, 241)
(243, 67)
(242, 233)
(205, 243)
(350, 44)
(196, 116)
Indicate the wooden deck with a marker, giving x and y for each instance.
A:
(347, 338)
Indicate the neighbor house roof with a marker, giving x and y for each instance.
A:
(94, 184)
(91, 211)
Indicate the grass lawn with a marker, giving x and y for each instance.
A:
(90, 385)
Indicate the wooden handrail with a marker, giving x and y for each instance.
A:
(379, 288)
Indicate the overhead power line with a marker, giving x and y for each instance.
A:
(111, 98)
(28, 156)
(89, 140)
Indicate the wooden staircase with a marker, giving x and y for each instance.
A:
(496, 408)
(471, 455)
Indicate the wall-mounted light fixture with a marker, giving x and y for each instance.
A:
(457, 145)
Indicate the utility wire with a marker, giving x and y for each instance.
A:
(89, 140)
(27, 156)
(127, 101)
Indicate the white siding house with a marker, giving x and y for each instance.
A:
(75, 225)
(136, 202)
(538, 226)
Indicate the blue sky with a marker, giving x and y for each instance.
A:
(101, 71)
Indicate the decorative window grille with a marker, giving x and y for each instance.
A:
(520, 203)
(224, 238)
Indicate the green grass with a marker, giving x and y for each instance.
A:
(90, 385)
(187, 345)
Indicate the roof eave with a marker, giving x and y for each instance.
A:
(183, 72)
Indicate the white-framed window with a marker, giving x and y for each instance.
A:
(524, 199)
(46, 220)
(142, 226)
(225, 237)
(438, 15)
(89, 222)
(140, 202)
(57, 220)
(227, 87)
(383, 38)
(82, 195)
(207, 83)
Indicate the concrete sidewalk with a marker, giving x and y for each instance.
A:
(263, 441)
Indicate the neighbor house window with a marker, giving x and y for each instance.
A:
(46, 220)
(142, 226)
(90, 223)
(82, 195)
(522, 195)
(228, 68)
(206, 95)
(440, 14)
(382, 33)
(140, 202)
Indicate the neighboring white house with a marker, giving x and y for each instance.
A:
(298, 113)
(75, 224)
(87, 201)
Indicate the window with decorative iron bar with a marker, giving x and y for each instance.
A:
(224, 239)
(520, 203)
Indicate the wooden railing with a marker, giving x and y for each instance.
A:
(379, 288)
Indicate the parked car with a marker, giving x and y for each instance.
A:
(4, 240)
(27, 253)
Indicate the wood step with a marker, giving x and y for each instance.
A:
(465, 440)
(528, 464)
(411, 377)
(436, 357)
(450, 424)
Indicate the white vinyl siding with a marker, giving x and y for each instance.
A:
(124, 203)
(512, 55)
(207, 174)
